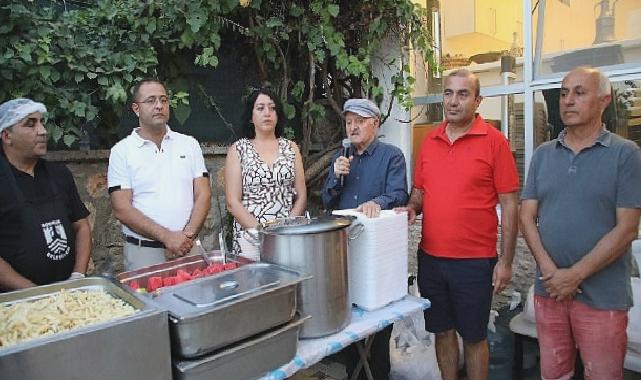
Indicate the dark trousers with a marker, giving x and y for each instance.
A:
(378, 359)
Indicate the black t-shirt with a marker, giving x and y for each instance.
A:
(34, 188)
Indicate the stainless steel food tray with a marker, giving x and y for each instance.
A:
(212, 312)
(247, 360)
(169, 268)
(138, 343)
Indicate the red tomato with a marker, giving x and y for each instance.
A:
(229, 266)
(134, 285)
(197, 273)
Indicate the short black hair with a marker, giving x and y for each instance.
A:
(464, 73)
(248, 128)
(136, 89)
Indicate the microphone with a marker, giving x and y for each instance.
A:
(346, 144)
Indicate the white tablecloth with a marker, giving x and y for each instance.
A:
(363, 324)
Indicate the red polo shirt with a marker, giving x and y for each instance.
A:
(460, 184)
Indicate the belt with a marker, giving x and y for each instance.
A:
(144, 243)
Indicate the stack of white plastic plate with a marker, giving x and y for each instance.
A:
(377, 259)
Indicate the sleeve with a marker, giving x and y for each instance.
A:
(77, 209)
(331, 191)
(506, 175)
(529, 190)
(117, 174)
(629, 180)
(395, 183)
(198, 168)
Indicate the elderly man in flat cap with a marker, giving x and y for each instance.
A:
(368, 175)
(44, 233)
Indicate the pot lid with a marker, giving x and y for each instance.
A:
(303, 225)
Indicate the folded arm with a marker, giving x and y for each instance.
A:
(177, 242)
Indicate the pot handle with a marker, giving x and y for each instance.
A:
(254, 238)
(355, 230)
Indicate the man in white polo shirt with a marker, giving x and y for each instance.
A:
(158, 183)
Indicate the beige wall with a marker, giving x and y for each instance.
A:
(479, 26)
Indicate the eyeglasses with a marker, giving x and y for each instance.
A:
(151, 101)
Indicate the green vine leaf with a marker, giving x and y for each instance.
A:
(333, 10)
(69, 139)
(182, 113)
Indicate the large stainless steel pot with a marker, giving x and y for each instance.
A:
(318, 247)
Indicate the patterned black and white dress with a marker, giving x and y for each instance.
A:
(268, 192)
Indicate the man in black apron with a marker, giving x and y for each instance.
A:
(44, 232)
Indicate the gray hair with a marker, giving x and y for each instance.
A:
(605, 88)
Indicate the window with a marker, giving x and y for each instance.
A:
(604, 33)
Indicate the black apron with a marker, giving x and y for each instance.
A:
(46, 249)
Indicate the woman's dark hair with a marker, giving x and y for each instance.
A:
(248, 128)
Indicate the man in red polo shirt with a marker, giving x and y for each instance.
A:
(464, 168)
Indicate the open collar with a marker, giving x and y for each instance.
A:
(169, 134)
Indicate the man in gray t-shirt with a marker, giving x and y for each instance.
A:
(579, 213)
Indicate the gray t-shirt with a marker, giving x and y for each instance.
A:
(577, 200)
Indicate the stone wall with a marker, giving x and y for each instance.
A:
(90, 172)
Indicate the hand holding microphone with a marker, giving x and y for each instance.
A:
(342, 163)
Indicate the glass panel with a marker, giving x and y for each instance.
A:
(476, 33)
(493, 110)
(602, 33)
(623, 115)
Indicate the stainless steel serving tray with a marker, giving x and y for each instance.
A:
(208, 313)
(138, 343)
(169, 268)
(247, 360)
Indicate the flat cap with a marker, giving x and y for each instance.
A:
(362, 107)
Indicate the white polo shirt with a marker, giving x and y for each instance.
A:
(162, 180)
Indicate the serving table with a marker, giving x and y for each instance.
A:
(363, 325)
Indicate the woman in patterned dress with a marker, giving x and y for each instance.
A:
(264, 177)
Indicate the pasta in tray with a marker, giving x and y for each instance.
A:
(58, 312)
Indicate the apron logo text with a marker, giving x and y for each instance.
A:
(56, 240)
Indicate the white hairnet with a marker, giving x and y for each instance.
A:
(15, 110)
